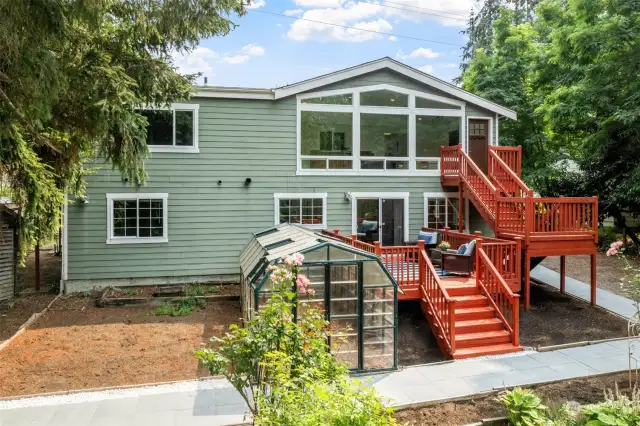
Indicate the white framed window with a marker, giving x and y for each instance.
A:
(374, 130)
(306, 209)
(442, 209)
(172, 129)
(137, 218)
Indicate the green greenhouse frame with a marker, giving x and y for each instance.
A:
(353, 287)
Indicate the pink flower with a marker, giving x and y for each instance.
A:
(289, 261)
(299, 258)
(272, 268)
(616, 245)
(612, 251)
(302, 281)
(311, 292)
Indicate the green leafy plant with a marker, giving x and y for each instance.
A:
(199, 290)
(283, 368)
(616, 410)
(524, 408)
(179, 308)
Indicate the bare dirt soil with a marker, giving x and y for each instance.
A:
(556, 319)
(76, 345)
(609, 270)
(50, 267)
(23, 307)
(583, 391)
(416, 343)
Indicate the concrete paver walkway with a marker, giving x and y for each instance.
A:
(215, 403)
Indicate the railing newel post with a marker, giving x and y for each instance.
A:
(378, 248)
(515, 307)
(452, 325)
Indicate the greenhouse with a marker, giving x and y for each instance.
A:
(354, 289)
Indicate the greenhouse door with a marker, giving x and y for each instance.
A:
(344, 296)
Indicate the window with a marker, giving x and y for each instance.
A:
(136, 218)
(441, 210)
(375, 130)
(172, 130)
(309, 210)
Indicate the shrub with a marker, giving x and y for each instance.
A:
(179, 308)
(198, 290)
(524, 408)
(283, 369)
(617, 409)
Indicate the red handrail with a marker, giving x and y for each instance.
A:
(564, 215)
(501, 298)
(478, 183)
(506, 178)
(440, 304)
(511, 155)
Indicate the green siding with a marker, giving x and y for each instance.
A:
(209, 224)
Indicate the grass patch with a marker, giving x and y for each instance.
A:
(198, 290)
(179, 308)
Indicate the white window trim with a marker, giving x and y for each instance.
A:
(137, 240)
(410, 111)
(300, 195)
(354, 196)
(477, 117)
(425, 208)
(195, 108)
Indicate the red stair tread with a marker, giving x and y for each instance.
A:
(477, 325)
(503, 348)
(477, 309)
(482, 335)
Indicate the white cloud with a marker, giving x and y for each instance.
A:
(426, 69)
(235, 59)
(197, 61)
(252, 50)
(294, 12)
(358, 15)
(393, 38)
(255, 4)
(450, 65)
(422, 52)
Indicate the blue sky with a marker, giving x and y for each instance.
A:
(270, 51)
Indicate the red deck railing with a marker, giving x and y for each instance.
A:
(511, 155)
(402, 263)
(518, 212)
(492, 284)
(440, 307)
(506, 255)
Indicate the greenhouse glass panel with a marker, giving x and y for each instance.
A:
(344, 340)
(375, 275)
(318, 255)
(379, 348)
(379, 307)
(336, 253)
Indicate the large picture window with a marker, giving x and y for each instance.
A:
(136, 218)
(375, 129)
(172, 130)
(309, 210)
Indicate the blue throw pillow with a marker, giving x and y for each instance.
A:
(427, 237)
(470, 248)
(462, 249)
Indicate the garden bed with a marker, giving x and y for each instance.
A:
(158, 295)
(584, 391)
(77, 345)
(556, 319)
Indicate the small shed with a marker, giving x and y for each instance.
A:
(357, 293)
(8, 250)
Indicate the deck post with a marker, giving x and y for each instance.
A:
(593, 279)
(478, 266)
(336, 231)
(452, 325)
(516, 320)
(421, 265)
(378, 248)
(461, 212)
(354, 237)
(527, 281)
(563, 273)
(518, 260)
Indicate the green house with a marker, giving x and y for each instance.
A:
(356, 150)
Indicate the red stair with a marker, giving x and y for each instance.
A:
(544, 226)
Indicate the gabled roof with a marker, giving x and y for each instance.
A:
(347, 73)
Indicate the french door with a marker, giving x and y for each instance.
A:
(381, 219)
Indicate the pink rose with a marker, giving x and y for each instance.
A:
(311, 292)
(299, 258)
(302, 281)
(289, 261)
(612, 251)
(616, 245)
